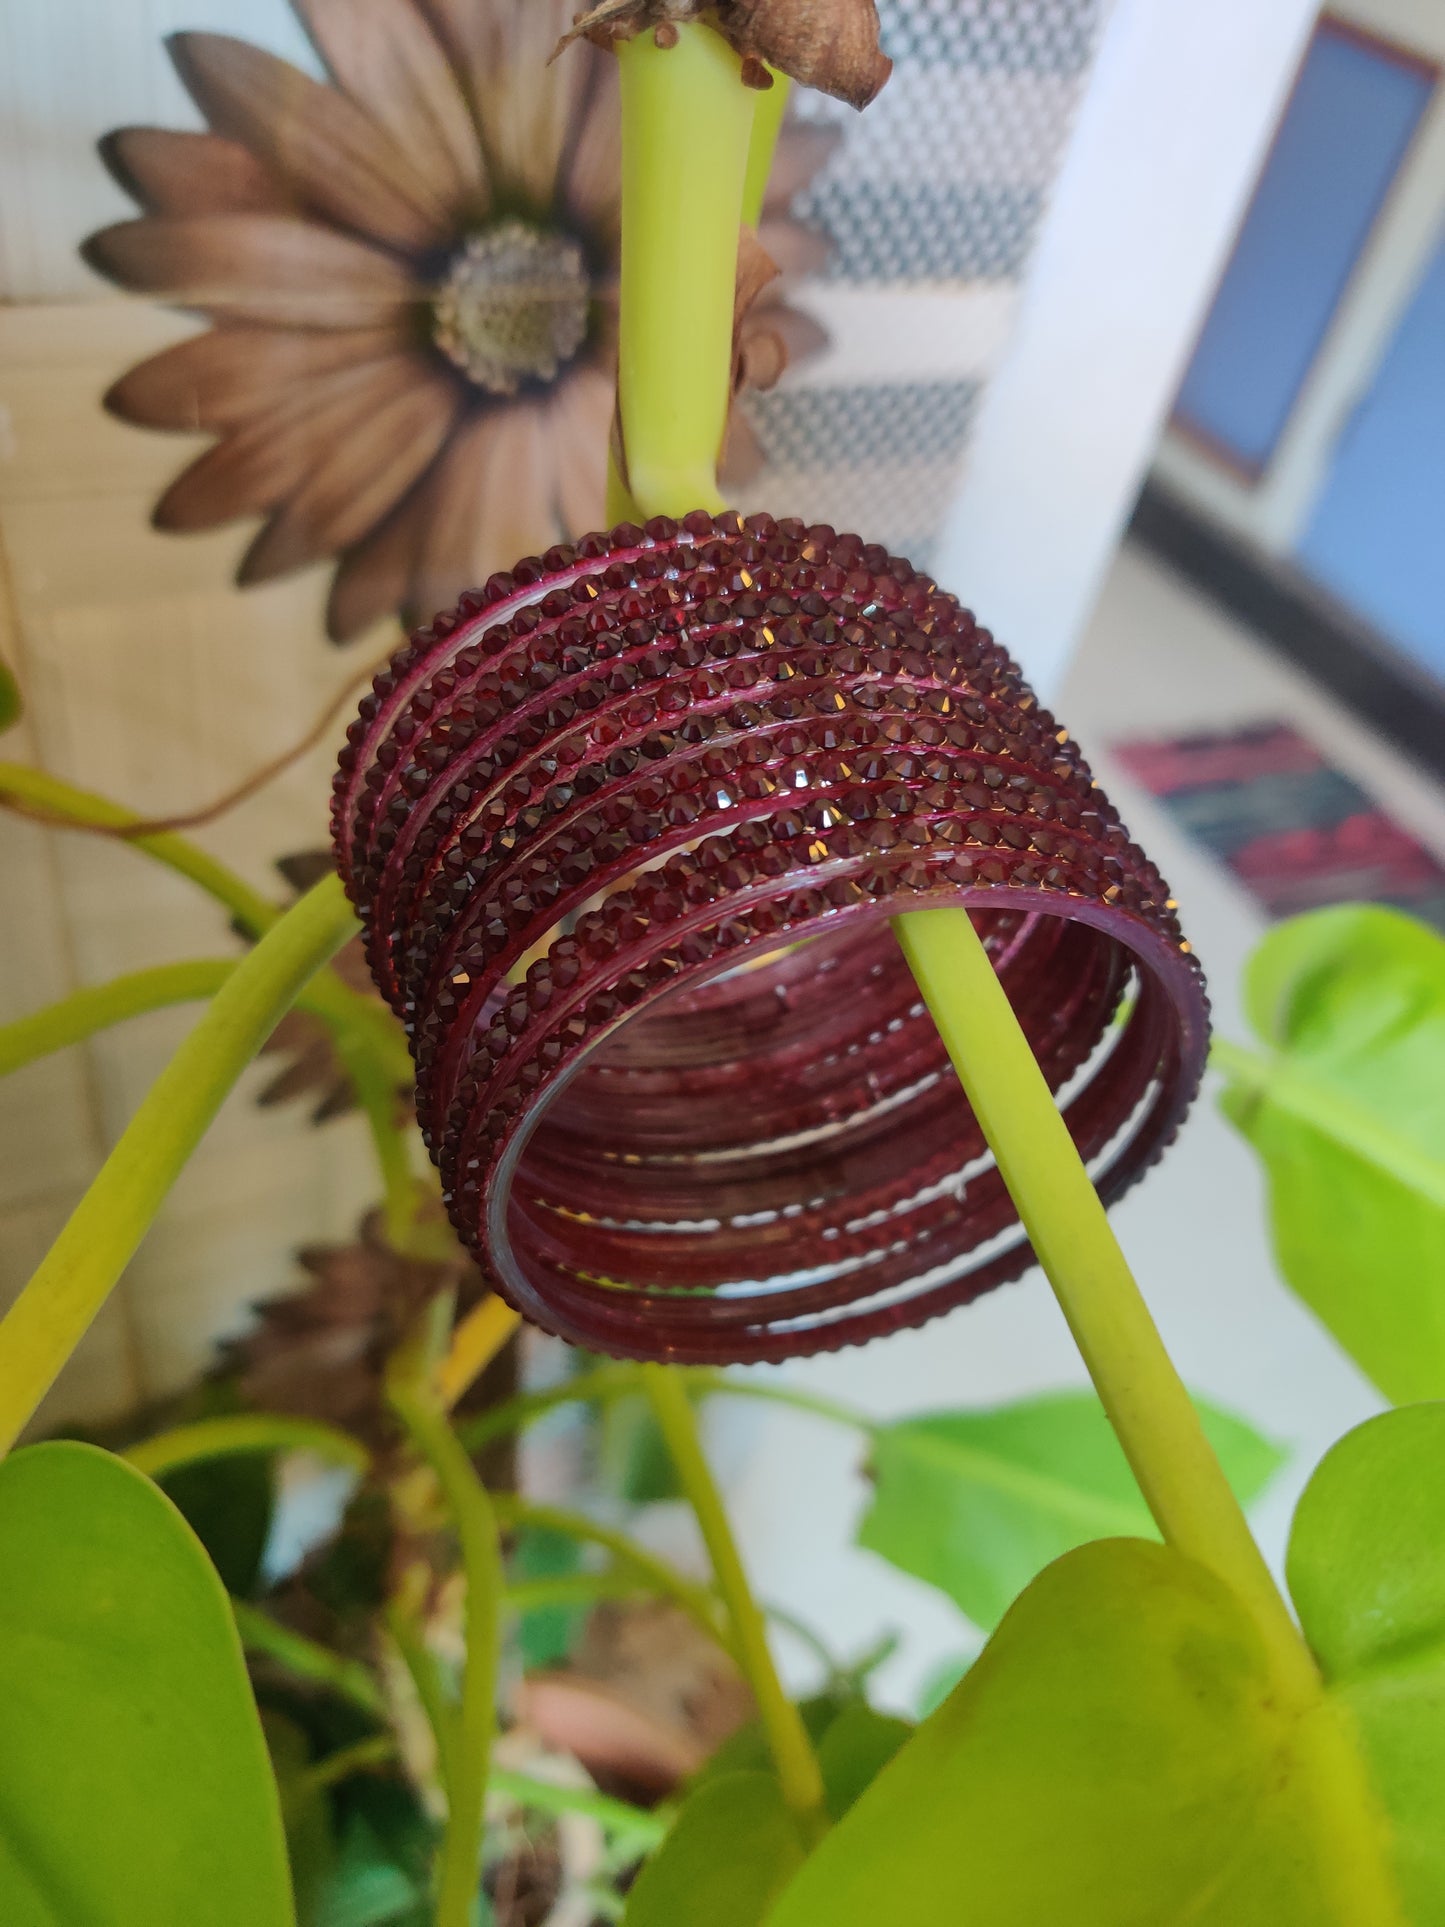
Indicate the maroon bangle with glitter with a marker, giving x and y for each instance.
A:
(625, 831)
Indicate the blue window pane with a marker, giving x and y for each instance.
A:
(1377, 536)
(1343, 135)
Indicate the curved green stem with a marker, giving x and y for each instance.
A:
(654, 1573)
(544, 1796)
(686, 129)
(74, 1018)
(307, 1658)
(425, 1675)
(51, 1315)
(219, 1438)
(1150, 1410)
(599, 1386)
(49, 797)
(793, 1755)
(459, 1863)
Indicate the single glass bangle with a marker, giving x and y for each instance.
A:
(625, 830)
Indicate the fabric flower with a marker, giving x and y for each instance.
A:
(410, 274)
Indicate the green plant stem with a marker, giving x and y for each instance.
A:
(793, 1755)
(329, 998)
(74, 1018)
(654, 1573)
(1150, 1410)
(768, 111)
(1289, 1086)
(686, 129)
(459, 1867)
(50, 797)
(220, 1438)
(616, 1816)
(426, 1678)
(363, 1756)
(608, 1383)
(53, 1312)
(307, 1658)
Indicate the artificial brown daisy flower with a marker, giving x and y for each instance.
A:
(411, 276)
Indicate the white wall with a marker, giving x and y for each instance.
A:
(1172, 129)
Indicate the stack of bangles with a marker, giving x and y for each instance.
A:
(626, 829)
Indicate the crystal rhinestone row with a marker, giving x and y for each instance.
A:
(625, 829)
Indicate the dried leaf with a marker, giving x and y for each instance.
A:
(831, 45)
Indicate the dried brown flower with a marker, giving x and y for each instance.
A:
(411, 277)
(828, 44)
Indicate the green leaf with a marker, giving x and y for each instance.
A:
(11, 707)
(976, 1503)
(941, 1682)
(729, 1853)
(854, 1751)
(1348, 1115)
(1367, 1572)
(228, 1503)
(1116, 1757)
(546, 1634)
(135, 1789)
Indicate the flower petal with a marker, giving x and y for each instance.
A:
(219, 379)
(591, 176)
(388, 60)
(267, 459)
(256, 267)
(338, 161)
(357, 478)
(375, 574)
(175, 173)
(523, 108)
(491, 502)
(801, 152)
(581, 423)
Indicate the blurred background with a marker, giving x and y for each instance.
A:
(1135, 322)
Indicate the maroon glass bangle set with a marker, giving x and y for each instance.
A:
(625, 831)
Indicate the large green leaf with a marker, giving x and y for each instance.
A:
(1348, 1113)
(976, 1503)
(134, 1784)
(1367, 1571)
(1117, 1757)
(729, 1854)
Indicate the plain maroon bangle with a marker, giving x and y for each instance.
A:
(625, 831)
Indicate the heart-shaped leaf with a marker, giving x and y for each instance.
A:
(1118, 1756)
(135, 1789)
(1367, 1571)
(1348, 1114)
(976, 1503)
(731, 1850)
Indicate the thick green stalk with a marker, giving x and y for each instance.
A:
(459, 1865)
(792, 1751)
(1149, 1408)
(686, 128)
(51, 1315)
(769, 108)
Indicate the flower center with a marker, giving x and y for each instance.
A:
(513, 306)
